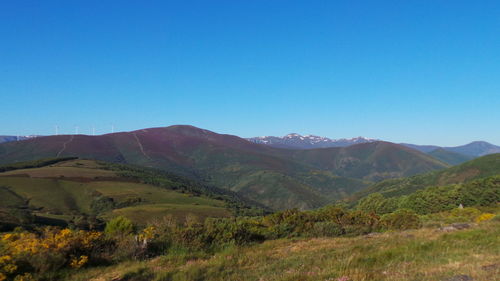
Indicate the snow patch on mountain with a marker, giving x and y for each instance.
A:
(297, 141)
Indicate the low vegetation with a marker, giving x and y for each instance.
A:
(479, 168)
(141, 224)
(483, 192)
(33, 164)
(220, 248)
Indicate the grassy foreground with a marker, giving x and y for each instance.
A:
(423, 254)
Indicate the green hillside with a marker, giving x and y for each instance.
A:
(478, 168)
(373, 161)
(75, 189)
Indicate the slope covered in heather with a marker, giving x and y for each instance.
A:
(278, 178)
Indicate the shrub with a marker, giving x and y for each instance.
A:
(288, 223)
(463, 214)
(327, 229)
(119, 226)
(227, 231)
(49, 251)
(484, 217)
(401, 219)
(376, 203)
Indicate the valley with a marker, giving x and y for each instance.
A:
(183, 203)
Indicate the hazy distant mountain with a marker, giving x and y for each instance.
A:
(474, 149)
(14, 138)
(477, 148)
(450, 157)
(421, 148)
(297, 141)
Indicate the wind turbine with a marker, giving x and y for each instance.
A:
(57, 130)
(76, 130)
(93, 130)
(112, 128)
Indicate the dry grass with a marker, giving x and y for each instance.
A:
(424, 254)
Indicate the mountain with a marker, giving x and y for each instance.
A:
(297, 141)
(478, 168)
(277, 178)
(15, 138)
(461, 153)
(371, 161)
(474, 149)
(449, 157)
(421, 148)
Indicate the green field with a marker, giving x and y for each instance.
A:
(142, 214)
(71, 188)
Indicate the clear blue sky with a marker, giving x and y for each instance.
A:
(425, 72)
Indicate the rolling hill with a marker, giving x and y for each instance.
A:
(66, 189)
(478, 168)
(277, 178)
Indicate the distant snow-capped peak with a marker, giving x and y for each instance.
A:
(298, 141)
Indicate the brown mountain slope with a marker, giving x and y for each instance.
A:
(278, 178)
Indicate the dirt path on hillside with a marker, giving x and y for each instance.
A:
(64, 145)
(140, 146)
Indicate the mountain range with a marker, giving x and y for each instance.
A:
(15, 138)
(275, 177)
(455, 155)
(450, 155)
(297, 141)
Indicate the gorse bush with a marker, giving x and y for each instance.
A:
(401, 220)
(376, 203)
(326, 229)
(48, 251)
(484, 217)
(463, 214)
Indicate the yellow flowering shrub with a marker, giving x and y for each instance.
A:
(50, 250)
(484, 217)
(7, 267)
(147, 234)
(24, 277)
(79, 262)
